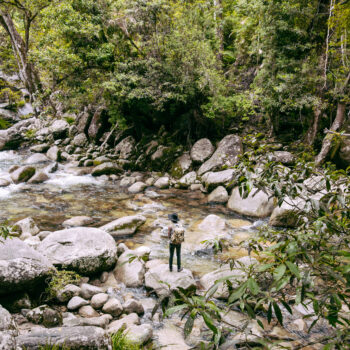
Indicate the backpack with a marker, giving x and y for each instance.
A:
(177, 234)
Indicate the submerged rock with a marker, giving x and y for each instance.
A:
(77, 221)
(227, 153)
(257, 204)
(21, 267)
(82, 249)
(158, 277)
(74, 338)
(126, 225)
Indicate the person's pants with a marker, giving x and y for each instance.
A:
(172, 248)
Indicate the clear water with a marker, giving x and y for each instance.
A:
(66, 195)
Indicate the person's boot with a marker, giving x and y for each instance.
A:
(179, 269)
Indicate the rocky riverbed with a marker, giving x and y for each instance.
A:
(83, 208)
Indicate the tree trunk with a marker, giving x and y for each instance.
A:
(313, 129)
(27, 71)
(218, 17)
(327, 141)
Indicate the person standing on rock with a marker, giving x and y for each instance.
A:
(176, 234)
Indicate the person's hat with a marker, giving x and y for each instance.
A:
(173, 217)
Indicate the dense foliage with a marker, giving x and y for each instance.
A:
(194, 64)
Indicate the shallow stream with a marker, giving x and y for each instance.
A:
(66, 195)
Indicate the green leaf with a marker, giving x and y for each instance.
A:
(174, 309)
(253, 286)
(209, 322)
(278, 313)
(235, 295)
(293, 268)
(260, 324)
(211, 291)
(279, 272)
(282, 283)
(264, 267)
(269, 313)
(188, 326)
(287, 307)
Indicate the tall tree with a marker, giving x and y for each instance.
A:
(17, 16)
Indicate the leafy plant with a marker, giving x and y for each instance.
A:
(120, 342)
(6, 232)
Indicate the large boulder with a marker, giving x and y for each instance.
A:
(220, 178)
(188, 179)
(219, 195)
(22, 174)
(73, 338)
(289, 214)
(38, 178)
(125, 147)
(21, 267)
(126, 321)
(202, 150)
(162, 182)
(126, 225)
(80, 140)
(83, 121)
(82, 249)
(284, 157)
(258, 204)
(137, 187)
(99, 124)
(227, 153)
(139, 334)
(59, 129)
(158, 278)
(7, 322)
(181, 166)
(37, 158)
(54, 153)
(132, 273)
(26, 225)
(106, 169)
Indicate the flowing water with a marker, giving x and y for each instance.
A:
(66, 195)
